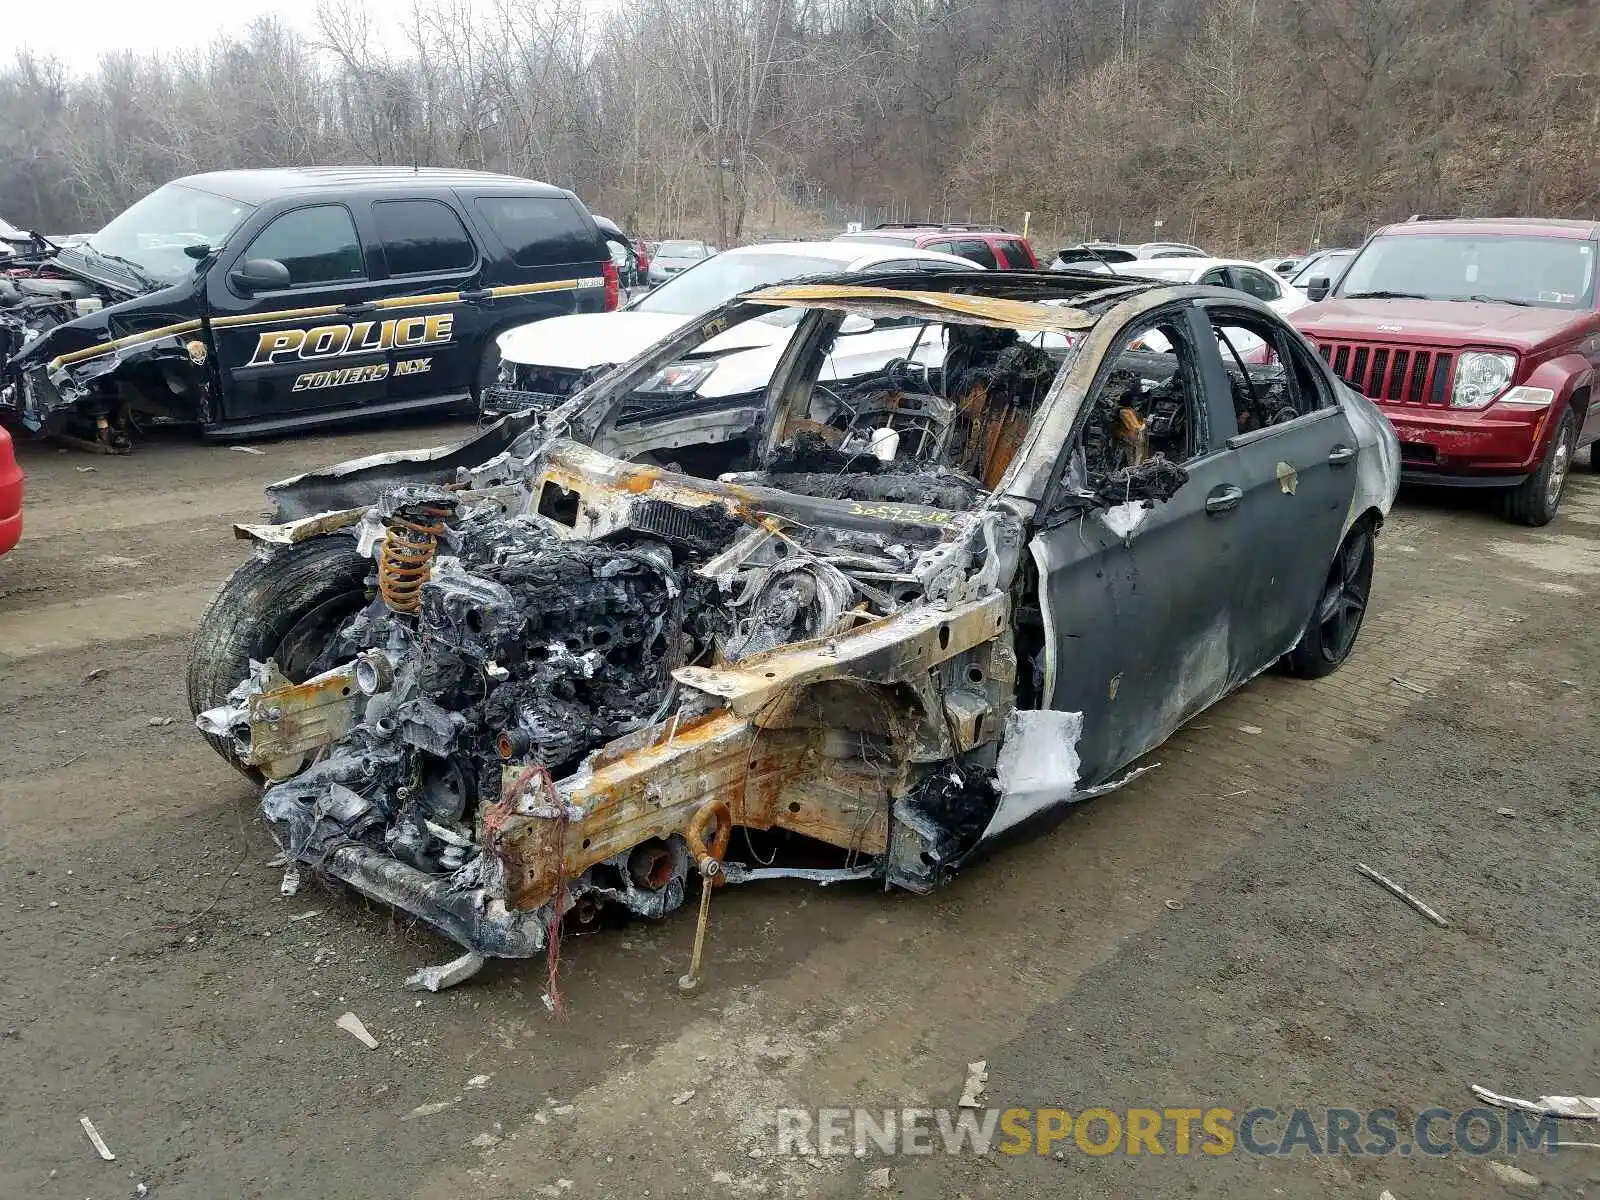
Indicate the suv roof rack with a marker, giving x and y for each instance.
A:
(958, 226)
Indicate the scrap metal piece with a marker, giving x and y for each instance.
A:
(274, 723)
(1572, 1108)
(446, 975)
(98, 1142)
(1038, 765)
(352, 1025)
(977, 1077)
(950, 307)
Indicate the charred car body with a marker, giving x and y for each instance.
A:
(553, 669)
(258, 301)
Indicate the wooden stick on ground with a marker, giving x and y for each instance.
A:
(1389, 884)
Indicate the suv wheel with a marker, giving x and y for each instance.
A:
(1594, 456)
(1331, 632)
(1535, 500)
(488, 369)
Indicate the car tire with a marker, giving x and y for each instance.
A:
(488, 369)
(1535, 500)
(1594, 456)
(286, 608)
(1330, 633)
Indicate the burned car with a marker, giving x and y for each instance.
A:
(872, 628)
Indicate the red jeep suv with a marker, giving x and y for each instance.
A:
(987, 245)
(1480, 340)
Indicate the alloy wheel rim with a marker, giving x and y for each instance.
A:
(1562, 457)
(1344, 600)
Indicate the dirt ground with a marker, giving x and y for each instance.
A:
(1199, 938)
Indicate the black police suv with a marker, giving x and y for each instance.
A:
(251, 302)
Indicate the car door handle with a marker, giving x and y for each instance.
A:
(1224, 499)
(357, 310)
(1341, 455)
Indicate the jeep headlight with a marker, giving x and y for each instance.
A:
(680, 379)
(1480, 377)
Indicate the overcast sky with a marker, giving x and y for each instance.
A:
(80, 34)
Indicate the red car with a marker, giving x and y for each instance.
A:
(10, 494)
(1480, 341)
(987, 245)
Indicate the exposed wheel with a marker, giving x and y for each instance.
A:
(1330, 634)
(1594, 456)
(1534, 501)
(286, 608)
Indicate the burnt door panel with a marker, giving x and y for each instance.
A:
(1298, 481)
(1140, 625)
(1297, 467)
(1143, 626)
(311, 346)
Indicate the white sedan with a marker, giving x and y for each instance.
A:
(544, 362)
(1247, 277)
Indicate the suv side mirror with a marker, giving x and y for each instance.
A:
(260, 275)
(1318, 288)
(856, 323)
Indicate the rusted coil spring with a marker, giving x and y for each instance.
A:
(406, 556)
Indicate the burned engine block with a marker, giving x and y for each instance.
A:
(524, 647)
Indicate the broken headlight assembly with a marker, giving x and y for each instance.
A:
(679, 379)
(1480, 377)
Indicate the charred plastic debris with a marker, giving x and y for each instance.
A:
(578, 676)
(63, 369)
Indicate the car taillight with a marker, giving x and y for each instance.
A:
(644, 258)
(608, 271)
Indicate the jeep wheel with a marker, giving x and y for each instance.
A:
(1331, 632)
(1535, 500)
(1594, 456)
(288, 608)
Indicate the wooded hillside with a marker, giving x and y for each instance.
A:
(1240, 124)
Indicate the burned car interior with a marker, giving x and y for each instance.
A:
(576, 659)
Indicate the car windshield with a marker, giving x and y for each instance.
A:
(1550, 272)
(717, 280)
(150, 235)
(1325, 265)
(682, 250)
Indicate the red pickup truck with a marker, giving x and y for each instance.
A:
(1480, 341)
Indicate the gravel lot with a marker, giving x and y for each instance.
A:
(1199, 938)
